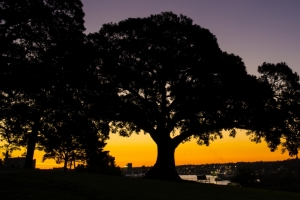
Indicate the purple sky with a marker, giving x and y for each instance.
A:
(256, 30)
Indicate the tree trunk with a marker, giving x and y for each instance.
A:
(32, 139)
(65, 164)
(70, 164)
(164, 168)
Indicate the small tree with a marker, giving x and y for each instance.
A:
(12, 126)
(73, 138)
(101, 162)
(171, 80)
(9, 140)
(62, 145)
(245, 178)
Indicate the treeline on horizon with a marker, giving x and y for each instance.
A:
(64, 91)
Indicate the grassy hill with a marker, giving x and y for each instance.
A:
(39, 184)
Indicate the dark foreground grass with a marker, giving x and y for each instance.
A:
(44, 185)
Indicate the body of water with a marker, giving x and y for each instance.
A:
(211, 179)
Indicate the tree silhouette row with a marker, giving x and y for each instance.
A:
(63, 91)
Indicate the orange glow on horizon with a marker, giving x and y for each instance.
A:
(141, 150)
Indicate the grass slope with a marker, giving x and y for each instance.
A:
(22, 184)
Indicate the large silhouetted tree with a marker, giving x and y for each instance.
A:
(41, 43)
(172, 81)
(286, 86)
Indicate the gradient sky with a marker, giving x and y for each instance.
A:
(256, 30)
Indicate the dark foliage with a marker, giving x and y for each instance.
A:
(171, 80)
(245, 178)
(40, 46)
(47, 86)
(281, 175)
(286, 86)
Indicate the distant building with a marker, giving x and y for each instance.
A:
(127, 169)
(17, 162)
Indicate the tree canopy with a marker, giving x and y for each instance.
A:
(43, 72)
(286, 86)
(172, 81)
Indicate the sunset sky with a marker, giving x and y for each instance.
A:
(256, 30)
